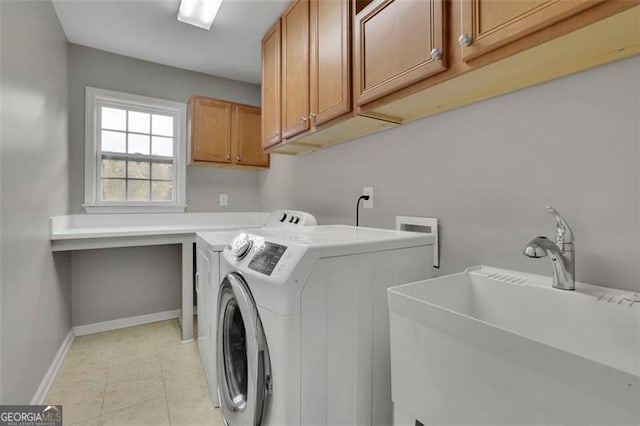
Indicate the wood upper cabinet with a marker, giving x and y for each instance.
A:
(306, 69)
(225, 133)
(247, 149)
(334, 70)
(489, 24)
(210, 130)
(397, 43)
(295, 69)
(330, 90)
(271, 87)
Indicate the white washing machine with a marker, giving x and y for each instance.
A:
(209, 273)
(303, 329)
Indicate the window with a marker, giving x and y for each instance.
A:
(134, 153)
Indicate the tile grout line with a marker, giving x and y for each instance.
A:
(164, 387)
(104, 390)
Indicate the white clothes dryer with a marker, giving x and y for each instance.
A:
(302, 323)
(209, 273)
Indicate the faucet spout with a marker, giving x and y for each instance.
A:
(561, 263)
(562, 252)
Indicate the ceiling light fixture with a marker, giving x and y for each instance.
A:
(199, 13)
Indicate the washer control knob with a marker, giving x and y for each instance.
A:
(283, 217)
(291, 219)
(296, 220)
(241, 246)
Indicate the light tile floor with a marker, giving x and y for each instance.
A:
(140, 375)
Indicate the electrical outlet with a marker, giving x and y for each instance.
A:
(368, 204)
(224, 200)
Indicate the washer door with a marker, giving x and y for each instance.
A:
(243, 365)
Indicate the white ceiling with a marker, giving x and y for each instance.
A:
(149, 30)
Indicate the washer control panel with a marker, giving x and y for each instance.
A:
(267, 257)
(272, 260)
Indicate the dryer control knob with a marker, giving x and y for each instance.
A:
(283, 217)
(241, 246)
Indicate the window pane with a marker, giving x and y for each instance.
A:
(162, 125)
(138, 190)
(139, 169)
(113, 118)
(161, 191)
(139, 122)
(113, 168)
(113, 190)
(162, 171)
(138, 144)
(113, 142)
(162, 146)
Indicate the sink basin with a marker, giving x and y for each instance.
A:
(494, 346)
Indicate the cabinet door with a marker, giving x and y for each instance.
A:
(397, 42)
(489, 24)
(330, 59)
(246, 137)
(295, 69)
(271, 87)
(211, 130)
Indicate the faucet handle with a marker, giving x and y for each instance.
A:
(564, 234)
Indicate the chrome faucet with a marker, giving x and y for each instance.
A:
(562, 252)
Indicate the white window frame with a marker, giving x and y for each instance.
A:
(96, 98)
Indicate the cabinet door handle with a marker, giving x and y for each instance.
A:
(436, 54)
(465, 40)
(228, 156)
(197, 282)
(303, 119)
(238, 158)
(276, 134)
(312, 116)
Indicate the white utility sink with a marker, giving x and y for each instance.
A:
(491, 346)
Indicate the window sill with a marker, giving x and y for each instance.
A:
(134, 208)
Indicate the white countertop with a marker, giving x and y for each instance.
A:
(75, 227)
(132, 231)
(96, 231)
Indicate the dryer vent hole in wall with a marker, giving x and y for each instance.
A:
(416, 228)
(427, 225)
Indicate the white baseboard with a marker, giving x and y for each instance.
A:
(98, 327)
(47, 380)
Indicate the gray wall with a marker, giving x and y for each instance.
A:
(120, 283)
(488, 170)
(96, 68)
(117, 275)
(34, 156)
